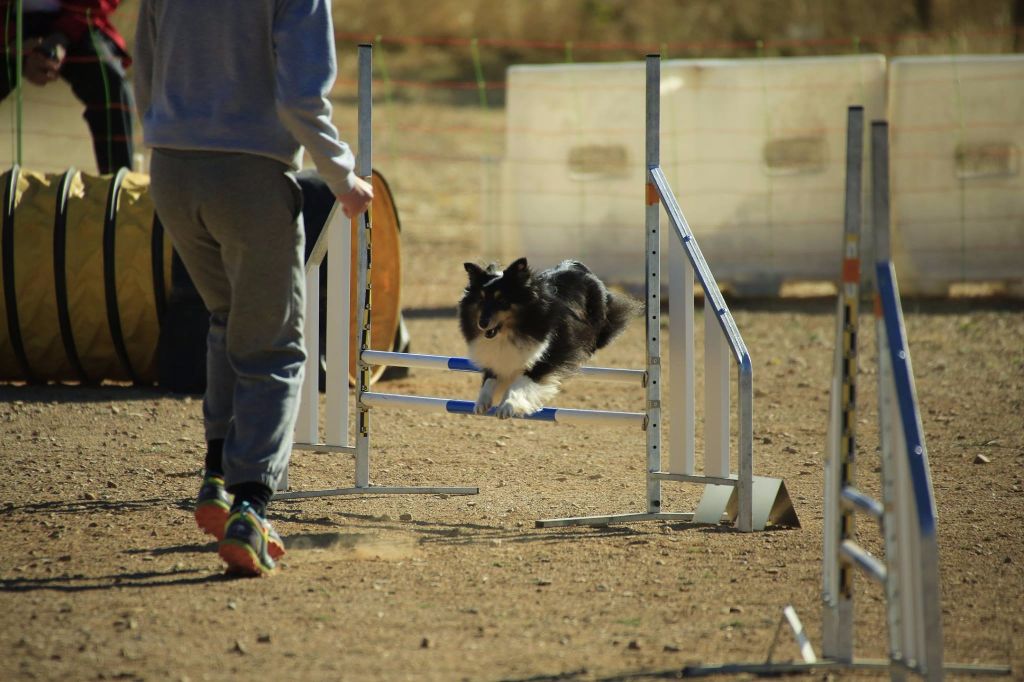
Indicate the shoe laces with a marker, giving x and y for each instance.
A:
(245, 509)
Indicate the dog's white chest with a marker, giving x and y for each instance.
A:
(504, 357)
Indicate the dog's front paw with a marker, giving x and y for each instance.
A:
(485, 398)
(505, 411)
(517, 405)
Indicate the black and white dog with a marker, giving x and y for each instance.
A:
(528, 330)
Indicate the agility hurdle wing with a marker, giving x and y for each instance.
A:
(909, 570)
(906, 513)
(336, 238)
(751, 502)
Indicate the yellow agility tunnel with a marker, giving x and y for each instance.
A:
(85, 271)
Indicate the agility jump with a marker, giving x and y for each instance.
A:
(906, 514)
(750, 501)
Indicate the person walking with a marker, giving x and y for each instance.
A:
(75, 40)
(229, 95)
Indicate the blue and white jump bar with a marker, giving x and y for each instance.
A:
(560, 415)
(446, 362)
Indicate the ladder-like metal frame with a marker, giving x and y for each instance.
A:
(748, 500)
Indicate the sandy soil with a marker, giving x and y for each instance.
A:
(103, 574)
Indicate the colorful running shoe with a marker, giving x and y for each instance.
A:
(212, 506)
(248, 540)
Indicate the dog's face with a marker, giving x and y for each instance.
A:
(492, 295)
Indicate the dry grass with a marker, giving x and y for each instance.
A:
(542, 31)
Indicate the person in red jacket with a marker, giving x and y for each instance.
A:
(74, 40)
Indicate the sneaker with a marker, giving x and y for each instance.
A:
(248, 540)
(212, 506)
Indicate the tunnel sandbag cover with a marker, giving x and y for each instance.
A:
(85, 272)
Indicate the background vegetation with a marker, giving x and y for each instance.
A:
(433, 40)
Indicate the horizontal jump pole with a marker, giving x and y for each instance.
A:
(865, 503)
(861, 558)
(458, 364)
(548, 414)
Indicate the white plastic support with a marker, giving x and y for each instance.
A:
(682, 387)
(338, 338)
(716, 395)
(306, 425)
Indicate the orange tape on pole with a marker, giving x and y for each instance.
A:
(851, 270)
(652, 194)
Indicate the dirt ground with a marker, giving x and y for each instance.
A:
(103, 574)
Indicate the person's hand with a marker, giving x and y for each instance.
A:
(43, 62)
(357, 199)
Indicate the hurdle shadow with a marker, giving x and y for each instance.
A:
(112, 581)
(91, 506)
(31, 394)
(375, 521)
(431, 532)
(457, 537)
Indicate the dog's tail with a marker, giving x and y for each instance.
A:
(619, 309)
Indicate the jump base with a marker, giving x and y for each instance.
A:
(377, 490)
(614, 518)
(798, 667)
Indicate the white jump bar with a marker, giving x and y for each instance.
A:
(380, 357)
(550, 414)
(861, 558)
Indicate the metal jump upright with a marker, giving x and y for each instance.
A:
(751, 502)
(909, 569)
(336, 237)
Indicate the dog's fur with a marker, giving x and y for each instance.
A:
(528, 331)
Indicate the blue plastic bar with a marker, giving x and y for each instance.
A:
(547, 414)
(906, 396)
(459, 364)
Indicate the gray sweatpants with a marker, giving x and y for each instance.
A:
(236, 221)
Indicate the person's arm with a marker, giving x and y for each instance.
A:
(305, 71)
(77, 16)
(142, 71)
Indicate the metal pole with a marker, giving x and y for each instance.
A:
(839, 620)
(880, 189)
(652, 283)
(895, 552)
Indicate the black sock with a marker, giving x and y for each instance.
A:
(215, 457)
(253, 492)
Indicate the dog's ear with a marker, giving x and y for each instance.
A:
(475, 271)
(519, 268)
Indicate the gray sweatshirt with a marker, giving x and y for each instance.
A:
(241, 76)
